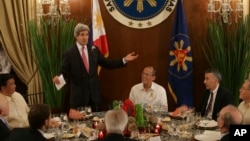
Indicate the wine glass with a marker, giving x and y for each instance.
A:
(82, 111)
(183, 114)
(205, 121)
(88, 110)
(198, 120)
(76, 131)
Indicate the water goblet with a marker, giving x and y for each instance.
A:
(205, 121)
(198, 120)
(183, 114)
(88, 110)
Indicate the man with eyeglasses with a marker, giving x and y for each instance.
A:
(148, 93)
(244, 106)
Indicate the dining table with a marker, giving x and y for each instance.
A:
(190, 132)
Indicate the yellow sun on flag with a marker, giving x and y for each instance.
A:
(180, 56)
(98, 20)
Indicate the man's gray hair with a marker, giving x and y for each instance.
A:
(116, 121)
(80, 27)
(215, 72)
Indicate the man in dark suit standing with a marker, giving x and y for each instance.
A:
(215, 96)
(80, 63)
(39, 119)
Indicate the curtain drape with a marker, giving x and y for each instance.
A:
(15, 15)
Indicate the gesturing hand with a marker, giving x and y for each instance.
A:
(131, 57)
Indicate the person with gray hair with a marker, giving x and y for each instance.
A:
(80, 63)
(244, 106)
(228, 115)
(116, 121)
(215, 97)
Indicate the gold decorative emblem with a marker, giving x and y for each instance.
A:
(140, 6)
(180, 56)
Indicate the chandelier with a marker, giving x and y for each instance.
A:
(53, 9)
(225, 9)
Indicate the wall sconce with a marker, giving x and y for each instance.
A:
(53, 9)
(225, 9)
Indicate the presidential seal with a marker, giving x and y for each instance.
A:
(140, 14)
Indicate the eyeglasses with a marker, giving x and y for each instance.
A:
(146, 74)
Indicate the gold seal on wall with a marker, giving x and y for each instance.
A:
(140, 14)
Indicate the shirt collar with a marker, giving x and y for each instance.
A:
(151, 88)
(80, 46)
(216, 89)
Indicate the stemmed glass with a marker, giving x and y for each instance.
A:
(55, 123)
(65, 122)
(82, 111)
(88, 110)
(198, 120)
(205, 121)
(183, 114)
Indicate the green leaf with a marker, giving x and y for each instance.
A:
(49, 41)
(228, 49)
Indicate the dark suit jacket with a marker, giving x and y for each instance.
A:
(225, 138)
(223, 98)
(116, 137)
(26, 134)
(4, 131)
(84, 87)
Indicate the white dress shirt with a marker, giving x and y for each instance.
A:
(18, 111)
(156, 95)
(245, 110)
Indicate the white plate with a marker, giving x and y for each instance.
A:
(206, 137)
(210, 123)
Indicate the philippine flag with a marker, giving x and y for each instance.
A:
(98, 31)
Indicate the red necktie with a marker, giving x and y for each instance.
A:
(209, 106)
(84, 59)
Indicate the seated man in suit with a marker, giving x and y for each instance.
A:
(227, 116)
(215, 97)
(18, 108)
(148, 92)
(115, 122)
(244, 106)
(39, 119)
(4, 111)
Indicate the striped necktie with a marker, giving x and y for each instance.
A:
(209, 106)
